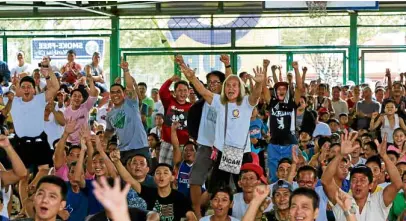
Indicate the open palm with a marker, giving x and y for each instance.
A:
(259, 75)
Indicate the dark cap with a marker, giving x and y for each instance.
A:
(281, 184)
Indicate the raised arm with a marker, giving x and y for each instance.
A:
(177, 155)
(93, 90)
(304, 71)
(122, 171)
(52, 84)
(109, 165)
(295, 160)
(256, 92)
(389, 76)
(299, 83)
(18, 170)
(78, 174)
(327, 179)
(226, 61)
(274, 77)
(375, 123)
(265, 90)
(129, 81)
(190, 75)
(59, 154)
(254, 212)
(390, 191)
(59, 117)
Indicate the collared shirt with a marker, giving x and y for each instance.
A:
(374, 209)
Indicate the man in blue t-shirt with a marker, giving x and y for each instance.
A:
(76, 201)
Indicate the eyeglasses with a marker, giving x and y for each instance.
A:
(214, 82)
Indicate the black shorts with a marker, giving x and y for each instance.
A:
(220, 178)
(34, 151)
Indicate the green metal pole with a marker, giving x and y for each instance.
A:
(344, 68)
(289, 60)
(5, 56)
(114, 49)
(353, 51)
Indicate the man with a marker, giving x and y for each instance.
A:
(5, 74)
(169, 203)
(183, 162)
(304, 198)
(204, 132)
(370, 149)
(321, 101)
(339, 105)
(379, 94)
(159, 121)
(281, 193)
(176, 109)
(356, 158)
(282, 120)
(98, 75)
(139, 168)
(125, 118)
(367, 206)
(142, 88)
(365, 108)
(396, 93)
(27, 112)
(251, 176)
(71, 70)
(49, 198)
(158, 107)
(46, 62)
(22, 66)
(76, 200)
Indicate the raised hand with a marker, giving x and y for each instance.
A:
(261, 192)
(175, 78)
(175, 125)
(343, 200)
(187, 71)
(83, 146)
(115, 155)
(70, 126)
(295, 65)
(374, 115)
(259, 75)
(304, 69)
(382, 146)
(179, 60)
(124, 64)
(225, 59)
(85, 132)
(4, 141)
(113, 199)
(295, 158)
(273, 68)
(266, 63)
(346, 143)
(387, 72)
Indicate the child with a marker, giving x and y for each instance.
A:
(257, 129)
(390, 121)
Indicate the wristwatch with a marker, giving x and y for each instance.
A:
(352, 210)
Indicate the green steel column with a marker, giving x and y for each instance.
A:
(289, 60)
(353, 74)
(5, 56)
(114, 49)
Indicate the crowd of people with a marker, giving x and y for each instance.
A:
(259, 146)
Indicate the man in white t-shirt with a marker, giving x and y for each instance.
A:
(27, 112)
(366, 206)
(158, 107)
(22, 66)
(251, 176)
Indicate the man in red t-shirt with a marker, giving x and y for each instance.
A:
(176, 109)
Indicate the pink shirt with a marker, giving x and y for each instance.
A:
(81, 116)
(63, 171)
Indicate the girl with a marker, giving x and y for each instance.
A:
(389, 122)
(399, 137)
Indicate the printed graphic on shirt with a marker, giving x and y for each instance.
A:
(119, 120)
(165, 211)
(279, 120)
(236, 113)
(69, 208)
(175, 114)
(211, 115)
(183, 178)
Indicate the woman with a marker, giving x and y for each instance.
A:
(234, 110)
(221, 202)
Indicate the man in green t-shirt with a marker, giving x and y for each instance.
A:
(142, 87)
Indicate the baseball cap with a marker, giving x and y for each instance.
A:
(281, 83)
(281, 184)
(322, 111)
(255, 167)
